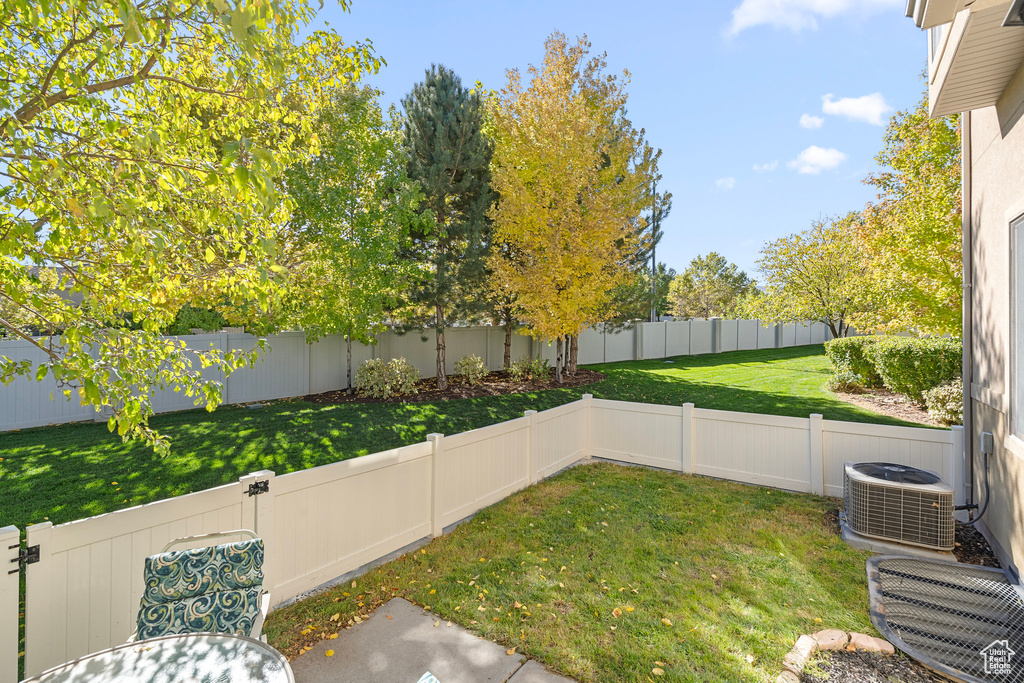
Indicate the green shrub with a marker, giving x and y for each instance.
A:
(849, 354)
(471, 368)
(845, 380)
(946, 402)
(527, 368)
(378, 379)
(912, 366)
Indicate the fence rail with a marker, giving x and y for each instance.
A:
(294, 368)
(83, 593)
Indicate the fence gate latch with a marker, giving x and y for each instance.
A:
(29, 555)
(259, 487)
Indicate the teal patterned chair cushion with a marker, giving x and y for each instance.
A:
(215, 589)
(230, 611)
(181, 574)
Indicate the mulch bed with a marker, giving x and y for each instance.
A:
(866, 667)
(494, 384)
(889, 403)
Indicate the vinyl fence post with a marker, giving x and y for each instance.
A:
(687, 461)
(638, 341)
(43, 649)
(958, 466)
(588, 400)
(222, 346)
(817, 455)
(258, 516)
(531, 471)
(437, 448)
(10, 544)
(716, 335)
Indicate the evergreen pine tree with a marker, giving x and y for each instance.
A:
(450, 157)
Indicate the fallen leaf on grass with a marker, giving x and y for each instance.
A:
(667, 622)
(616, 613)
(658, 671)
(335, 616)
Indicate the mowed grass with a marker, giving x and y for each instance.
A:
(606, 572)
(68, 472)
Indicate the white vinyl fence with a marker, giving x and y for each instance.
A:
(294, 368)
(82, 594)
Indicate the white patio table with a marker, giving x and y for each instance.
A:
(188, 658)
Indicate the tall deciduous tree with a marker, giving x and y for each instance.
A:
(449, 156)
(573, 177)
(817, 275)
(354, 205)
(140, 147)
(912, 235)
(710, 286)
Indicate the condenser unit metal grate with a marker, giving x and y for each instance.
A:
(899, 503)
(961, 620)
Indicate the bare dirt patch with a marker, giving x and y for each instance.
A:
(888, 403)
(494, 384)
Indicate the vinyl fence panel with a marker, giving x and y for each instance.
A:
(768, 450)
(560, 437)
(174, 398)
(746, 335)
(700, 337)
(638, 433)
(332, 519)
(655, 340)
(766, 337)
(28, 403)
(928, 449)
(678, 343)
(480, 467)
(281, 372)
(730, 336)
(83, 595)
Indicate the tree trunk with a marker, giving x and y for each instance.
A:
(574, 352)
(558, 359)
(348, 343)
(565, 356)
(442, 377)
(507, 360)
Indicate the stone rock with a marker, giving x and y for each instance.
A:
(787, 677)
(798, 656)
(831, 639)
(866, 643)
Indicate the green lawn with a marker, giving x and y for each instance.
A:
(72, 471)
(606, 572)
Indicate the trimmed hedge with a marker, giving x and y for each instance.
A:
(912, 366)
(849, 355)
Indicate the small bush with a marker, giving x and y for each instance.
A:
(911, 366)
(845, 380)
(378, 379)
(527, 368)
(946, 402)
(849, 354)
(471, 368)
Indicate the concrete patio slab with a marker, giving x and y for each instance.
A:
(401, 649)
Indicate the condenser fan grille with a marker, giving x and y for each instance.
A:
(917, 513)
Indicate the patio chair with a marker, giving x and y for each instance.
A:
(215, 589)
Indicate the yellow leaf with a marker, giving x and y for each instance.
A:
(665, 621)
(616, 612)
(433, 590)
(658, 671)
(210, 256)
(335, 616)
(332, 636)
(629, 609)
(511, 651)
(329, 653)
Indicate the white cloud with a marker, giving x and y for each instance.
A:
(811, 122)
(870, 108)
(814, 160)
(726, 183)
(766, 167)
(797, 15)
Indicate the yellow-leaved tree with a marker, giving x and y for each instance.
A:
(572, 175)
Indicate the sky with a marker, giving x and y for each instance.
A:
(769, 113)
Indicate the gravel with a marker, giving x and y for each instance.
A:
(866, 667)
